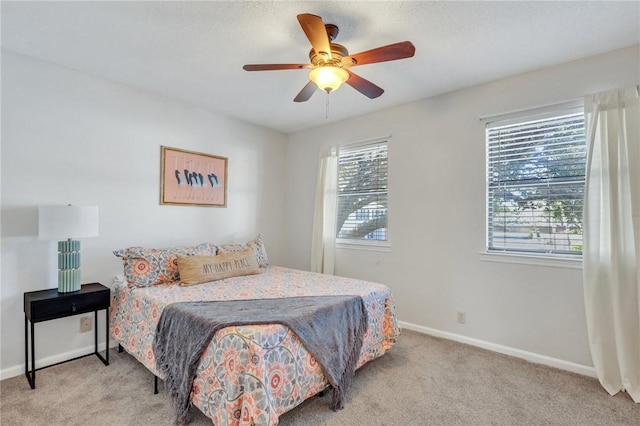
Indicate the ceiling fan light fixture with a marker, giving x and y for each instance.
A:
(328, 78)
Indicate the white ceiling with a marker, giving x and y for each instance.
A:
(194, 51)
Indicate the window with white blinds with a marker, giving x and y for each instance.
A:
(535, 184)
(362, 193)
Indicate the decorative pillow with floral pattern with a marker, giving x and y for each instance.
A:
(148, 266)
(256, 244)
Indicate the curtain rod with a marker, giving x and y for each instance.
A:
(533, 110)
(569, 104)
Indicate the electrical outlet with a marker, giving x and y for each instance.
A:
(462, 317)
(85, 324)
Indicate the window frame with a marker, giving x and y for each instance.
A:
(364, 244)
(511, 255)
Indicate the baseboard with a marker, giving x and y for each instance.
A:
(54, 359)
(585, 370)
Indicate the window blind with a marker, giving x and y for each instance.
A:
(362, 192)
(535, 184)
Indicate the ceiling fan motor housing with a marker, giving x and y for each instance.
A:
(338, 52)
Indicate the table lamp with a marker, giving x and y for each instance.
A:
(59, 222)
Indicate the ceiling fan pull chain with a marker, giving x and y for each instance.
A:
(326, 113)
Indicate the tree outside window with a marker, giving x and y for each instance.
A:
(362, 193)
(536, 177)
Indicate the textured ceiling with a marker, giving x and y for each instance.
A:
(194, 51)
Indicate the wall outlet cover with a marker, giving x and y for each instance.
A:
(86, 324)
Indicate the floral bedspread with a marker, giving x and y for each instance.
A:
(249, 375)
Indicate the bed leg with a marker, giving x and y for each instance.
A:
(324, 391)
(155, 385)
(119, 348)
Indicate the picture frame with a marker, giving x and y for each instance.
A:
(189, 178)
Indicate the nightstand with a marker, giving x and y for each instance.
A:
(45, 305)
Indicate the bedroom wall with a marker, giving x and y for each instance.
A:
(68, 137)
(437, 216)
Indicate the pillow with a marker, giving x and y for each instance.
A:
(203, 269)
(147, 266)
(257, 245)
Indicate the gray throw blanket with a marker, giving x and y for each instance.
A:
(330, 327)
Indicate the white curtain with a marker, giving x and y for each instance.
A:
(324, 218)
(612, 238)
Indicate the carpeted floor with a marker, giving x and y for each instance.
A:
(421, 381)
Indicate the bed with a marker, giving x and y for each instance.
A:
(249, 375)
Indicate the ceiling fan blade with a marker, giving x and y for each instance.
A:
(316, 32)
(306, 92)
(364, 86)
(272, 67)
(391, 52)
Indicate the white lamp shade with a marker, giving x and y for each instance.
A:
(57, 222)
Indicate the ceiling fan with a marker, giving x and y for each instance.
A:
(330, 62)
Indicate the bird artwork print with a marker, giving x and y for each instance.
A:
(191, 178)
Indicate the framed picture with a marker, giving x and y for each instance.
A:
(192, 178)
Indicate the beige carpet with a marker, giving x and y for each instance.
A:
(421, 381)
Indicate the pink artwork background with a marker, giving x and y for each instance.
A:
(192, 178)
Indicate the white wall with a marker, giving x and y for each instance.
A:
(437, 213)
(68, 137)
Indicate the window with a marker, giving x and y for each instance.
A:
(362, 193)
(535, 183)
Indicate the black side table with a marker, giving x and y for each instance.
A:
(48, 304)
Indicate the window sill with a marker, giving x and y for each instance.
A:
(361, 245)
(531, 259)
